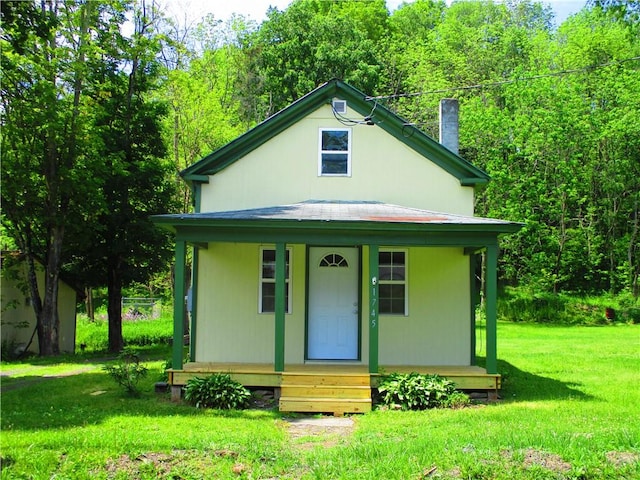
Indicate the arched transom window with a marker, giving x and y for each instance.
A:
(333, 260)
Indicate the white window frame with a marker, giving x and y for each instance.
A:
(321, 152)
(404, 282)
(339, 106)
(262, 280)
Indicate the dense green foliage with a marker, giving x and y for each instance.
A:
(49, 54)
(218, 391)
(530, 305)
(550, 112)
(414, 391)
(82, 153)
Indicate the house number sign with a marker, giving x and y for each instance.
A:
(374, 301)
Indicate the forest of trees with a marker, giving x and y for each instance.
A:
(96, 122)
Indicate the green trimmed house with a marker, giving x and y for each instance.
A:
(333, 242)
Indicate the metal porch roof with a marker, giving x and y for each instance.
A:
(340, 211)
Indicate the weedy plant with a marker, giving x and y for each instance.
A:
(217, 391)
(414, 391)
(127, 372)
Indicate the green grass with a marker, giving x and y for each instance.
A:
(93, 335)
(570, 410)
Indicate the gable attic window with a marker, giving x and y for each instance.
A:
(267, 294)
(335, 152)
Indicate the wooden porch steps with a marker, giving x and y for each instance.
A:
(325, 393)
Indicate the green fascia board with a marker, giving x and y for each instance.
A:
(195, 230)
(382, 117)
(181, 220)
(194, 177)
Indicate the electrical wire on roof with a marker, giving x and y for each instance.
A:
(503, 82)
(368, 120)
(409, 128)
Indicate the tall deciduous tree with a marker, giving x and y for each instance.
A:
(203, 109)
(136, 181)
(49, 53)
(82, 150)
(313, 41)
(562, 150)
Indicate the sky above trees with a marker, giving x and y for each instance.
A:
(256, 9)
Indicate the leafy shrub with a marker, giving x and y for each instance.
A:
(164, 376)
(217, 391)
(632, 315)
(521, 304)
(457, 399)
(413, 391)
(127, 372)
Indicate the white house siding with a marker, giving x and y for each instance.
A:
(284, 170)
(437, 330)
(19, 319)
(230, 329)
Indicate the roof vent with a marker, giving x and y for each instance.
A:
(339, 106)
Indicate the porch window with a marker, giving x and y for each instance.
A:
(392, 282)
(267, 297)
(335, 152)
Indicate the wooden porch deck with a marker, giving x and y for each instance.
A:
(336, 388)
(264, 375)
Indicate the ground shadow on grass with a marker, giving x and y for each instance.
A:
(518, 385)
(34, 369)
(145, 353)
(92, 398)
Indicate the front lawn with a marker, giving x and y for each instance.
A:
(569, 410)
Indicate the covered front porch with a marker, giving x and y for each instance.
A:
(368, 226)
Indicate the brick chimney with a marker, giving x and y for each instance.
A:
(449, 124)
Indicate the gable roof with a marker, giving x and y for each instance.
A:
(381, 117)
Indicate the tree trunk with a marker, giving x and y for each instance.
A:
(114, 305)
(46, 310)
(32, 281)
(89, 304)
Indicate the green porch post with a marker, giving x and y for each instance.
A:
(373, 308)
(194, 302)
(474, 301)
(178, 305)
(280, 307)
(193, 331)
(490, 306)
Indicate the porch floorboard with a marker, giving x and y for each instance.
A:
(264, 374)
